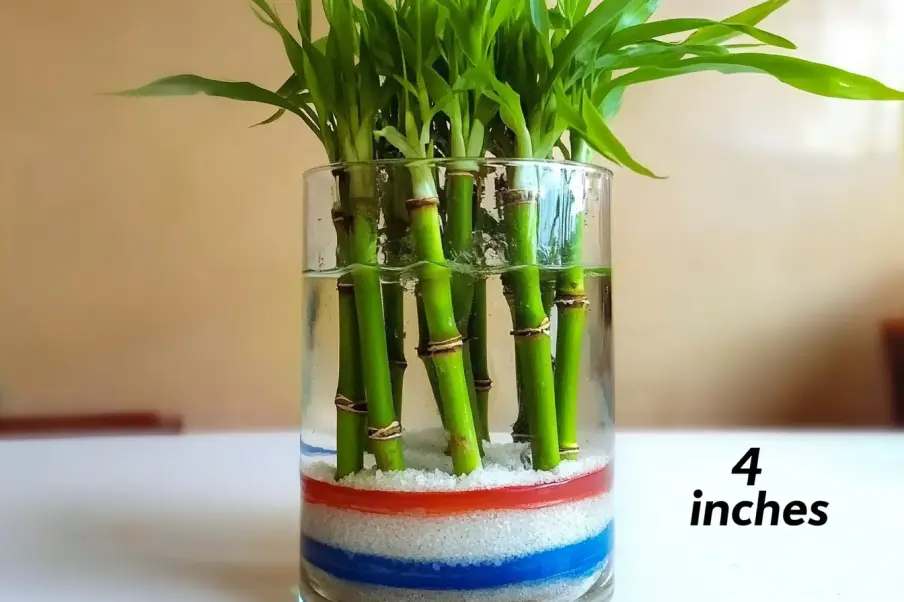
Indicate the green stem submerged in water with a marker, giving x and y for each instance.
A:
(393, 310)
(425, 357)
(351, 407)
(384, 429)
(393, 203)
(477, 333)
(532, 342)
(445, 345)
(459, 237)
(571, 308)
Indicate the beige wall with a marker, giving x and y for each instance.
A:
(150, 249)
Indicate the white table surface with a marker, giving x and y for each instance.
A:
(207, 518)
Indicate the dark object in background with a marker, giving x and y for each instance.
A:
(74, 425)
(893, 342)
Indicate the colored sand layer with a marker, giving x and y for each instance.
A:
(536, 535)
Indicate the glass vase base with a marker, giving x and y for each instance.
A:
(317, 586)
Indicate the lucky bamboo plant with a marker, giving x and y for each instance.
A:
(462, 80)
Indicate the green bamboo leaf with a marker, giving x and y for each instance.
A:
(573, 119)
(409, 48)
(371, 97)
(655, 53)
(291, 88)
(380, 32)
(558, 20)
(382, 12)
(293, 48)
(510, 108)
(267, 10)
(409, 87)
(584, 32)
(566, 153)
(358, 14)
(343, 36)
(612, 103)
(504, 9)
(568, 112)
(815, 78)
(438, 89)
(587, 122)
(539, 16)
(428, 19)
(293, 85)
(546, 141)
(508, 101)
(655, 29)
(485, 110)
(579, 9)
(639, 12)
(395, 138)
(475, 78)
(717, 34)
(303, 8)
(263, 19)
(319, 79)
(604, 141)
(190, 85)
(271, 118)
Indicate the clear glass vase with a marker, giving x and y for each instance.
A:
(457, 402)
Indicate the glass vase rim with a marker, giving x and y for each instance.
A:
(443, 161)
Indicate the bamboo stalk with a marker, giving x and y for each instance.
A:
(393, 293)
(394, 313)
(571, 307)
(459, 236)
(548, 291)
(477, 333)
(521, 427)
(459, 219)
(532, 342)
(351, 407)
(472, 392)
(384, 429)
(423, 344)
(445, 345)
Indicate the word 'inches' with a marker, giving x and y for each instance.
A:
(746, 513)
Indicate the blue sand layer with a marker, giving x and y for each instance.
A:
(313, 450)
(574, 561)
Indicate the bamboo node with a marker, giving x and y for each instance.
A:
(338, 216)
(451, 172)
(483, 384)
(344, 404)
(521, 437)
(447, 346)
(417, 203)
(514, 197)
(400, 363)
(565, 300)
(543, 328)
(345, 285)
(569, 448)
(392, 431)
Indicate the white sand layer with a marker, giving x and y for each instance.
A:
(553, 591)
(477, 537)
(428, 468)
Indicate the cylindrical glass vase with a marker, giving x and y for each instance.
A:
(457, 392)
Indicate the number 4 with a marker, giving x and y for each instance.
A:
(753, 457)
